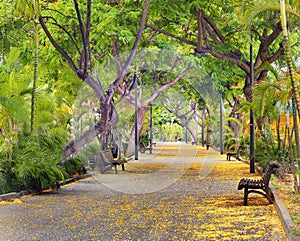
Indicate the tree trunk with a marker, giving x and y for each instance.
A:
(35, 76)
(295, 90)
(108, 120)
(188, 127)
(131, 145)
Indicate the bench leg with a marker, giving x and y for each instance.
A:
(246, 196)
(116, 170)
(123, 167)
(269, 195)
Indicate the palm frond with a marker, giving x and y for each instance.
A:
(14, 109)
(255, 8)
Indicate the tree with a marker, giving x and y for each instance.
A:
(203, 31)
(295, 89)
(30, 10)
(83, 71)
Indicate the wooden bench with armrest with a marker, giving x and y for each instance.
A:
(235, 153)
(115, 161)
(259, 186)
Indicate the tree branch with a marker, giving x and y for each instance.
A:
(277, 55)
(88, 28)
(200, 30)
(57, 47)
(262, 54)
(62, 28)
(112, 87)
(84, 56)
(232, 58)
(115, 53)
(211, 34)
(167, 85)
(215, 28)
(171, 35)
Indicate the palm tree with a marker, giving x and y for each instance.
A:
(31, 9)
(295, 90)
(293, 9)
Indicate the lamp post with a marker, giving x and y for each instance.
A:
(136, 139)
(221, 124)
(202, 128)
(151, 131)
(186, 132)
(252, 159)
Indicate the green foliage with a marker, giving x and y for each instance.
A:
(32, 162)
(230, 140)
(74, 166)
(267, 149)
(87, 153)
(3, 179)
(36, 161)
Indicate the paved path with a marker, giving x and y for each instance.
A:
(180, 192)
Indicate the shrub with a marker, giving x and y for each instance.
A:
(3, 180)
(74, 166)
(36, 162)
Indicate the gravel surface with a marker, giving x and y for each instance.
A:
(158, 197)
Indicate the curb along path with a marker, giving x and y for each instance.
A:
(180, 192)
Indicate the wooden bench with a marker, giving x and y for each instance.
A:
(114, 161)
(143, 148)
(235, 153)
(253, 186)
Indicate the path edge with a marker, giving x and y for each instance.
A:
(14, 195)
(285, 217)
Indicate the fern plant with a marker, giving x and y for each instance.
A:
(37, 162)
(3, 180)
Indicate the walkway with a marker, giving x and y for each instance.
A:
(180, 192)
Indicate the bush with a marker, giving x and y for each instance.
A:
(74, 166)
(37, 163)
(267, 149)
(3, 180)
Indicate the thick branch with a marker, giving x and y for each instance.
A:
(57, 47)
(84, 55)
(167, 85)
(262, 55)
(88, 19)
(200, 30)
(116, 55)
(277, 55)
(132, 54)
(205, 27)
(74, 146)
(212, 34)
(63, 29)
(242, 64)
(270, 39)
(215, 28)
(87, 33)
(96, 87)
(171, 35)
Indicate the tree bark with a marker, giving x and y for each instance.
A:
(140, 121)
